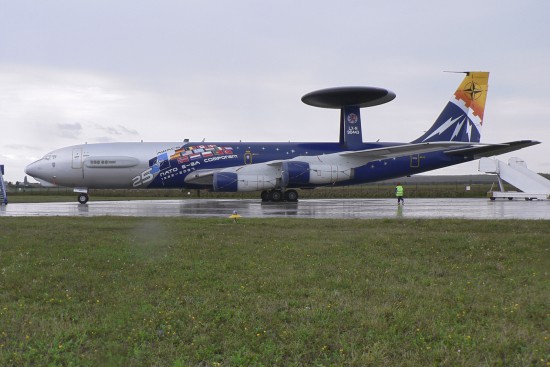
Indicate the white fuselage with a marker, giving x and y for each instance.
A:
(109, 165)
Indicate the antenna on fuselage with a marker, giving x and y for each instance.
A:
(349, 100)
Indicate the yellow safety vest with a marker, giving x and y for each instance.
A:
(399, 190)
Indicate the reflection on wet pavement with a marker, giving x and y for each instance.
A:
(327, 208)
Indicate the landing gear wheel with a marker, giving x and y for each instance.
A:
(276, 195)
(82, 198)
(265, 196)
(291, 195)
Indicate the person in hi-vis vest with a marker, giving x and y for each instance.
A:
(399, 193)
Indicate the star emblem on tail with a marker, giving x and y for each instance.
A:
(473, 90)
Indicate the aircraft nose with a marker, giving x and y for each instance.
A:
(31, 169)
(34, 169)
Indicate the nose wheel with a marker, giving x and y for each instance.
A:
(82, 198)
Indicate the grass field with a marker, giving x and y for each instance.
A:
(111, 291)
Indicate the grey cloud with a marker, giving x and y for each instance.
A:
(128, 131)
(19, 147)
(70, 130)
(104, 139)
(116, 130)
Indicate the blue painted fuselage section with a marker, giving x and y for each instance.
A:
(170, 168)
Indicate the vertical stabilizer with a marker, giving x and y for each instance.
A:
(462, 117)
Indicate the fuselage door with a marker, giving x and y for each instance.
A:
(247, 157)
(77, 158)
(415, 161)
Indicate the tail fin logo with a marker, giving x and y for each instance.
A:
(473, 91)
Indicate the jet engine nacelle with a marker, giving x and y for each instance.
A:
(233, 182)
(301, 173)
(294, 173)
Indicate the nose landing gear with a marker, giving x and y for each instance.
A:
(82, 195)
(82, 198)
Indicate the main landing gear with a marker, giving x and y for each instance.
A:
(280, 195)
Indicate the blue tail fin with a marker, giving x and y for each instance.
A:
(462, 117)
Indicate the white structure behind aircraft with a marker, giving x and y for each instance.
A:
(532, 185)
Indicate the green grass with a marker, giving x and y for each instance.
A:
(274, 292)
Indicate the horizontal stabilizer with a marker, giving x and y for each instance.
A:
(406, 149)
(489, 150)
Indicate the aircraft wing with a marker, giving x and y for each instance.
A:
(479, 150)
(489, 150)
(407, 149)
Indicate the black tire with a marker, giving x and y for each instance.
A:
(265, 196)
(82, 198)
(276, 195)
(291, 195)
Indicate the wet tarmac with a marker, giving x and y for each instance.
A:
(326, 208)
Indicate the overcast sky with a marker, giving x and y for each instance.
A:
(100, 71)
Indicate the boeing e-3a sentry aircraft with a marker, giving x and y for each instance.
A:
(278, 169)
